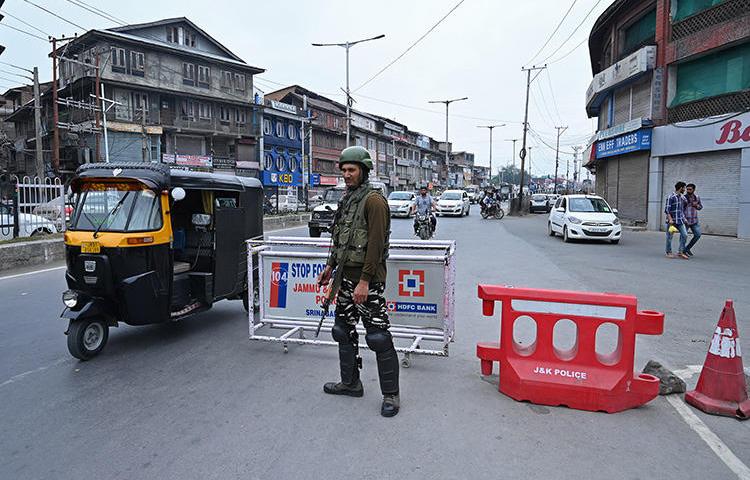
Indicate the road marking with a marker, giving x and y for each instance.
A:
(20, 376)
(8, 277)
(711, 439)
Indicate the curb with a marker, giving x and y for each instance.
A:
(40, 252)
(634, 228)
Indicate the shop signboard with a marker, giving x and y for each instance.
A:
(329, 180)
(279, 179)
(630, 142)
(362, 122)
(423, 141)
(626, 69)
(202, 161)
(314, 179)
(727, 132)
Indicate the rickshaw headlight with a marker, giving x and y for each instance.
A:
(70, 298)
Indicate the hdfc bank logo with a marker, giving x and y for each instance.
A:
(279, 278)
(411, 283)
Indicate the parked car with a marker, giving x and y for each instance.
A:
(322, 216)
(539, 203)
(586, 217)
(287, 203)
(57, 210)
(29, 225)
(454, 202)
(401, 204)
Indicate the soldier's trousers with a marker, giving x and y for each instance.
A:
(374, 316)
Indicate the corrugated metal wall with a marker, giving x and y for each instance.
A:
(716, 176)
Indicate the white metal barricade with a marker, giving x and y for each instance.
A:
(419, 293)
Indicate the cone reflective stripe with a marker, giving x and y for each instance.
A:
(721, 388)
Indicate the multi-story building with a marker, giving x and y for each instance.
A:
(661, 69)
(15, 157)
(283, 160)
(176, 95)
(460, 170)
(481, 175)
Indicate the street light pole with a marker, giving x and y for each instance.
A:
(490, 127)
(513, 157)
(347, 45)
(447, 150)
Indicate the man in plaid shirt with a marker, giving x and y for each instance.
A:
(692, 205)
(675, 212)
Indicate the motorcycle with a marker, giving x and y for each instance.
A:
(492, 209)
(424, 227)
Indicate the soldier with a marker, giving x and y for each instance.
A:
(359, 252)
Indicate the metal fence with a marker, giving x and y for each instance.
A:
(30, 207)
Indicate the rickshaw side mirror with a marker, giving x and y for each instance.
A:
(201, 219)
(178, 193)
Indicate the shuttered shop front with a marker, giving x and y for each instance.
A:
(716, 176)
(623, 182)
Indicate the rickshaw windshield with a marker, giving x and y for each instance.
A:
(117, 207)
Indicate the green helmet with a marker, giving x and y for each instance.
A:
(356, 154)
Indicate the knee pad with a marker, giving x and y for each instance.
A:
(341, 333)
(379, 341)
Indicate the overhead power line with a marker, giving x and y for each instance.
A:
(23, 31)
(54, 14)
(410, 46)
(553, 32)
(559, 59)
(96, 11)
(573, 32)
(26, 23)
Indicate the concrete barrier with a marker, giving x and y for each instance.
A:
(40, 252)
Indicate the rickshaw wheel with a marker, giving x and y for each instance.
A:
(86, 338)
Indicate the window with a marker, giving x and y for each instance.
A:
(292, 131)
(280, 163)
(172, 35)
(240, 116)
(268, 161)
(389, 148)
(187, 110)
(226, 79)
(358, 141)
(641, 32)
(204, 111)
(189, 39)
(723, 72)
(239, 82)
(267, 127)
(139, 101)
(381, 147)
(188, 73)
(118, 59)
(686, 8)
(204, 76)
(279, 129)
(370, 143)
(137, 63)
(293, 164)
(224, 115)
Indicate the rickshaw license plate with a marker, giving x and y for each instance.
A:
(90, 247)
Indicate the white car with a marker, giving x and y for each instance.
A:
(29, 225)
(539, 202)
(586, 217)
(401, 204)
(454, 202)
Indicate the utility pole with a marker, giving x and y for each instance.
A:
(529, 155)
(447, 149)
(347, 45)
(522, 153)
(97, 86)
(575, 163)
(560, 131)
(144, 137)
(38, 126)
(512, 157)
(490, 127)
(55, 110)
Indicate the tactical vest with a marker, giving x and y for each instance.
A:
(350, 230)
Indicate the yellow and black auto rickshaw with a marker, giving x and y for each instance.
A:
(149, 244)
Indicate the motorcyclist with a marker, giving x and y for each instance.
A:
(424, 205)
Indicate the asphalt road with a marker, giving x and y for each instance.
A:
(198, 400)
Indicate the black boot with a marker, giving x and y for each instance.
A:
(391, 405)
(350, 383)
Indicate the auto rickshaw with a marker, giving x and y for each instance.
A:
(151, 244)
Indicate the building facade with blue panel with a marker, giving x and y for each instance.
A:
(282, 160)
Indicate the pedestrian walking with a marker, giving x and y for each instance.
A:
(692, 205)
(358, 266)
(675, 212)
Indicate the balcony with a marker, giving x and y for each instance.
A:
(707, 107)
(171, 120)
(723, 12)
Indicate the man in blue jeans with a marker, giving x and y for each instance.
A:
(692, 205)
(675, 211)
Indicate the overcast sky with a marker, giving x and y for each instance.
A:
(476, 52)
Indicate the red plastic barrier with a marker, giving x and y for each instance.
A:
(580, 377)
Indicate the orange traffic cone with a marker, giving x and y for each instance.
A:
(721, 388)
